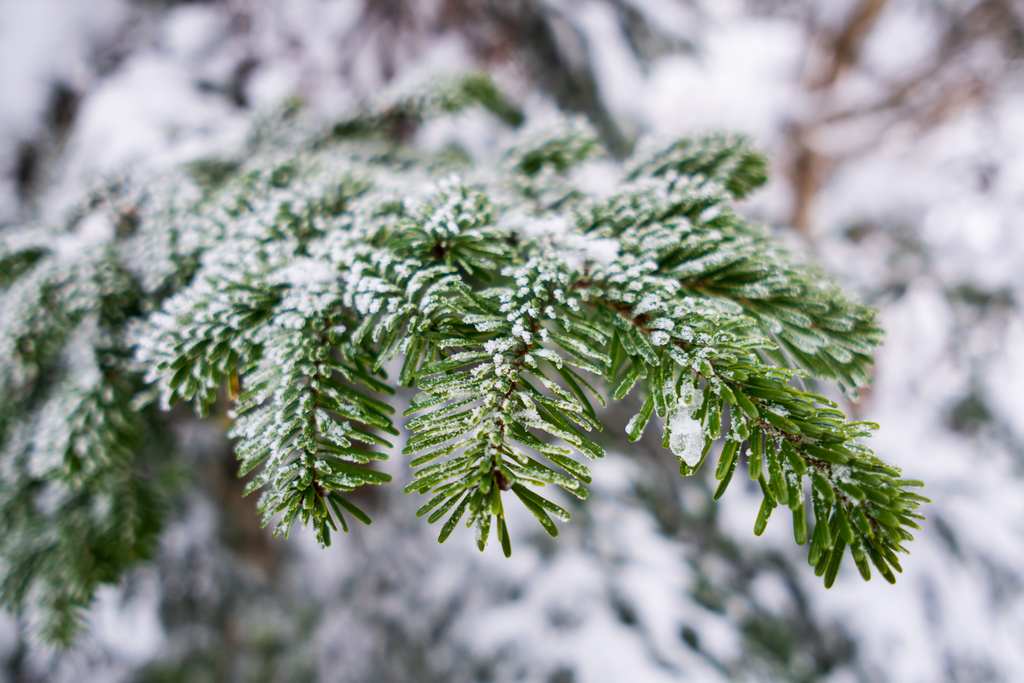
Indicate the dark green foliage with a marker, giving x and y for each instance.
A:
(278, 286)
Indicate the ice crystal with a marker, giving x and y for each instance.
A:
(686, 438)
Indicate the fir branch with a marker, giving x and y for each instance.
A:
(684, 223)
(515, 300)
(788, 434)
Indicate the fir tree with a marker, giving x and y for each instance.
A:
(280, 285)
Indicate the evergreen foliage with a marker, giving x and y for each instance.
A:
(280, 285)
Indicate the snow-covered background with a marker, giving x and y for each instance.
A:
(896, 134)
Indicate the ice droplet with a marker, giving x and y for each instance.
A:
(687, 436)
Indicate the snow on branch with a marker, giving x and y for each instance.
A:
(279, 284)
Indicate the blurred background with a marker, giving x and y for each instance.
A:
(895, 129)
